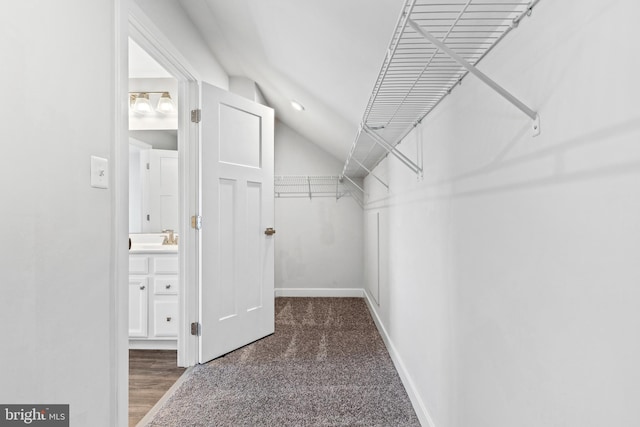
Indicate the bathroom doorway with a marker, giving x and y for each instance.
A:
(153, 204)
(154, 237)
(162, 244)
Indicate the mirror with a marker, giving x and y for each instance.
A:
(153, 145)
(153, 181)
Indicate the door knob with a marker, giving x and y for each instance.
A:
(269, 231)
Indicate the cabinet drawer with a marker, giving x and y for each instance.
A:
(165, 265)
(165, 319)
(138, 264)
(166, 285)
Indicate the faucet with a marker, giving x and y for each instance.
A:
(171, 239)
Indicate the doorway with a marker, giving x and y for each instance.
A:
(161, 172)
(152, 44)
(153, 204)
(154, 236)
(238, 150)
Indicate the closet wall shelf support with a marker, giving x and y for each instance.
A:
(357, 193)
(372, 174)
(352, 182)
(392, 150)
(479, 74)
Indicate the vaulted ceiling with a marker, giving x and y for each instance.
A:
(326, 54)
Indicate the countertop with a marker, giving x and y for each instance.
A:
(153, 249)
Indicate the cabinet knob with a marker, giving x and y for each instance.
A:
(168, 286)
(142, 287)
(269, 231)
(168, 319)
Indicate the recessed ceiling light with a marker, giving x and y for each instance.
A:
(297, 106)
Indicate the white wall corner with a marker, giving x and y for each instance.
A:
(244, 87)
(418, 404)
(320, 292)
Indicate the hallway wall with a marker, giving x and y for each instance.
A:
(318, 241)
(57, 318)
(509, 274)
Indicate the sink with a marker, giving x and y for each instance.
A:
(151, 242)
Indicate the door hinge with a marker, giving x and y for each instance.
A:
(196, 115)
(196, 222)
(196, 329)
(148, 166)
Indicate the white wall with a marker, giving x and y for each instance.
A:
(318, 241)
(171, 19)
(509, 284)
(247, 88)
(57, 307)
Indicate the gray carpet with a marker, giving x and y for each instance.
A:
(326, 365)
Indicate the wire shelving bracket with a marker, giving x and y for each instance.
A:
(434, 46)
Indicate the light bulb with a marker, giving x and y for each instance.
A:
(141, 104)
(165, 104)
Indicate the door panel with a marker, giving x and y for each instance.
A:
(240, 141)
(255, 235)
(226, 301)
(372, 255)
(236, 258)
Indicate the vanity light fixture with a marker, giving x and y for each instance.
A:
(140, 103)
(165, 103)
(297, 106)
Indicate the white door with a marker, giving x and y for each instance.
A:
(236, 252)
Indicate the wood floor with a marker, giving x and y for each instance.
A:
(151, 374)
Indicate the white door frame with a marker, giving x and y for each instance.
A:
(145, 33)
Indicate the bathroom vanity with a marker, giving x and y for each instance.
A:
(153, 293)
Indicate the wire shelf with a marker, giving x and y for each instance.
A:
(416, 74)
(314, 186)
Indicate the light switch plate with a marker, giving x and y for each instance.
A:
(99, 172)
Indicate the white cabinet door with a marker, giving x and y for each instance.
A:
(165, 318)
(138, 306)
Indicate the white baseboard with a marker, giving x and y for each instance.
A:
(320, 292)
(418, 405)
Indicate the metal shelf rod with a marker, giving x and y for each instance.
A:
(390, 149)
(372, 174)
(351, 181)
